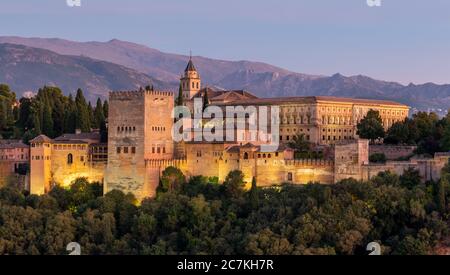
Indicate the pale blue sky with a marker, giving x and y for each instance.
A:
(403, 40)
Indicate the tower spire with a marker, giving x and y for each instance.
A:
(190, 82)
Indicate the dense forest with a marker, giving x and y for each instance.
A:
(49, 112)
(203, 217)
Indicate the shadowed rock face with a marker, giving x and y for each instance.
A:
(261, 79)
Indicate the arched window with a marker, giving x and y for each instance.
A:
(69, 159)
(245, 155)
(289, 176)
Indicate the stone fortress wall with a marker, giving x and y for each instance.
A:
(140, 127)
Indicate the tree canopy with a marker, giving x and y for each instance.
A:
(49, 112)
(371, 126)
(202, 217)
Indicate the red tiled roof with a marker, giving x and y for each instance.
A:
(310, 99)
(41, 139)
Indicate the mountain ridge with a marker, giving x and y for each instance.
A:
(262, 79)
(27, 69)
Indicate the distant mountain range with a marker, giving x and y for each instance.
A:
(98, 67)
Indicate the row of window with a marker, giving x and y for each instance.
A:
(126, 150)
(336, 120)
(2, 151)
(5, 157)
(70, 159)
(121, 129)
(100, 150)
(261, 155)
(292, 121)
(294, 130)
(39, 145)
(338, 130)
(40, 157)
(158, 128)
(69, 147)
(287, 138)
(195, 85)
(336, 137)
(158, 150)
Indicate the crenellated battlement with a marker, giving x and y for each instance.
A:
(157, 163)
(121, 95)
(309, 162)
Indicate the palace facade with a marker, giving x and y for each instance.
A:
(140, 144)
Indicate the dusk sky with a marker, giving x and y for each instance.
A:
(403, 40)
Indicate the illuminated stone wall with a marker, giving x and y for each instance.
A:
(40, 168)
(140, 127)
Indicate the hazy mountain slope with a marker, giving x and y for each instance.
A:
(27, 69)
(164, 66)
(259, 78)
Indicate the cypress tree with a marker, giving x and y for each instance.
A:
(253, 196)
(105, 109)
(83, 119)
(205, 100)
(92, 121)
(70, 116)
(99, 117)
(47, 122)
(179, 101)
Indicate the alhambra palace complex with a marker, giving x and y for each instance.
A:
(140, 144)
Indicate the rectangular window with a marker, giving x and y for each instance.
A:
(125, 150)
(153, 150)
(118, 150)
(133, 150)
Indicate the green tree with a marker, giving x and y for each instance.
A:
(205, 100)
(300, 144)
(410, 178)
(83, 118)
(172, 180)
(234, 183)
(99, 114)
(442, 194)
(179, 100)
(70, 116)
(7, 119)
(371, 126)
(105, 108)
(253, 195)
(47, 120)
(398, 134)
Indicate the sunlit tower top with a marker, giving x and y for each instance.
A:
(190, 82)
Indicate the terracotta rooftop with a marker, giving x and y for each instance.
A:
(79, 136)
(311, 99)
(225, 96)
(12, 144)
(41, 139)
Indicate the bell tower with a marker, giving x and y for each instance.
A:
(190, 82)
